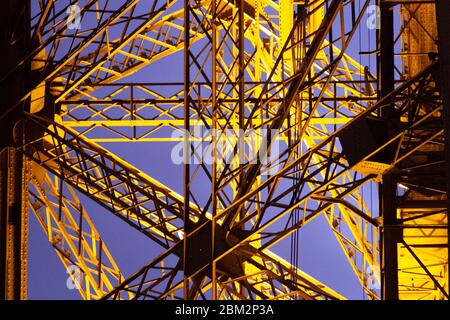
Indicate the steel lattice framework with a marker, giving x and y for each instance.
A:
(289, 67)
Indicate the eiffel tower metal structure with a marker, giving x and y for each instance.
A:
(73, 78)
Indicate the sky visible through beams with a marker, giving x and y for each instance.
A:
(319, 251)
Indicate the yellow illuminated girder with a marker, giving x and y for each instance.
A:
(64, 228)
(74, 237)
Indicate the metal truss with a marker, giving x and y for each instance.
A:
(349, 87)
(256, 66)
(106, 184)
(231, 181)
(73, 235)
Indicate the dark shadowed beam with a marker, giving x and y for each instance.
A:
(14, 43)
(442, 11)
(389, 261)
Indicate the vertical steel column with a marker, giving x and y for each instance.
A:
(13, 225)
(14, 44)
(214, 146)
(241, 107)
(389, 238)
(442, 11)
(389, 263)
(187, 147)
(241, 85)
(386, 48)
